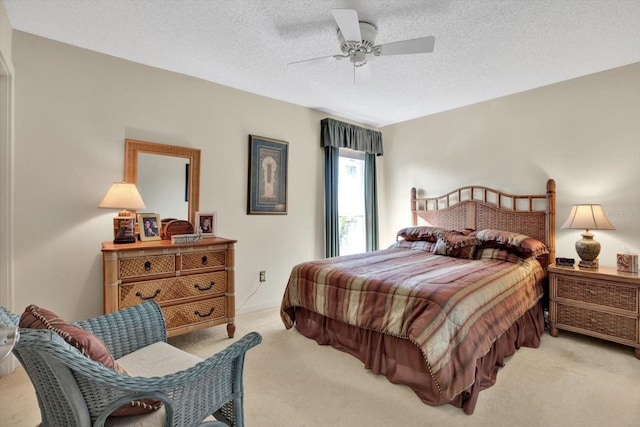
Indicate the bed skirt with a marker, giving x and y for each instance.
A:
(402, 362)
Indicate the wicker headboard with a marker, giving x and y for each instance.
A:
(481, 207)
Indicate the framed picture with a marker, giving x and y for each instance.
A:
(149, 226)
(267, 193)
(206, 223)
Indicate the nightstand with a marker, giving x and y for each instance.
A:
(602, 303)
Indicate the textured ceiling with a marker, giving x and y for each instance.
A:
(484, 49)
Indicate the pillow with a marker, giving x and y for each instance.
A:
(89, 345)
(429, 234)
(416, 245)
(457, 245)
(498, 254)
(518, 243)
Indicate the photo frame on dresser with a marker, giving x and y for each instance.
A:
(206, 223)
(267, 192)
(150, 225)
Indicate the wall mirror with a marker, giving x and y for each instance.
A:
(167, 176)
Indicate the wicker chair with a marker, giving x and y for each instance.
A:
(73, 390)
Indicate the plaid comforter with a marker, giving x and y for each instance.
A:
(452, 309)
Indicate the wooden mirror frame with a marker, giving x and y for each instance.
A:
(133, 147)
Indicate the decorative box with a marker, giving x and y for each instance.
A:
(627, 262)
(175, 226)
(185, 238)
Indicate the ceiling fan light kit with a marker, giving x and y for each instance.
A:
(357, 50)
(357, 41)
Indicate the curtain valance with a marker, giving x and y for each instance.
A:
(334, 133)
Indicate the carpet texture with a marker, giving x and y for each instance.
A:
(290, 381)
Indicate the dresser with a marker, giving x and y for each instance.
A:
(603, 303)
(192, 282)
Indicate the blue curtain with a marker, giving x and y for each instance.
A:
(334, 135)
(331, 225)
(371, 201)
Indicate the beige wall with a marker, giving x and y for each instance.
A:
(74, 109)
(584, 133)
(6, 155)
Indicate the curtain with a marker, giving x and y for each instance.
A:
(338, 134)
(334, 135)
(331, 225)
(371, 202)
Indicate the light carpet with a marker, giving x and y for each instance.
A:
(290, 381)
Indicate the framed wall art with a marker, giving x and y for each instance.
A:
(206, 223)
(267, 193)
(149, 226)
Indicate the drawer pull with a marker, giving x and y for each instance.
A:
(197, 286)
(147, 265)
(139, 295)
(205, 260)
(592, 292)
(205, 315)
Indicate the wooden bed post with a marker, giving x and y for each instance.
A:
(551, 219)
(414, 206)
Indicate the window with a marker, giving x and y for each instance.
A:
(351, 202)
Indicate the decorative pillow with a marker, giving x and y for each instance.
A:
(89, 345)
(419, 245)
(498, 254)
(429, 234)
(518, 243)
(457, 245)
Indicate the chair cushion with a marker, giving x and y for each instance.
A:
(89, 345)
(155, 360)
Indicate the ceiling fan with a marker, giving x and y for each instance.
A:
(357, 41)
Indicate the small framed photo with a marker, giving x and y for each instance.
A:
(149, 224)
(267, 193)
(206, 223)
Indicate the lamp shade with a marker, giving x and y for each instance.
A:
(122, 195)
(588, 217)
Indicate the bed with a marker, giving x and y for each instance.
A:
(439, 310)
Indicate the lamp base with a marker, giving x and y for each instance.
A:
(588, 250)
(589, 264)
(124, 229)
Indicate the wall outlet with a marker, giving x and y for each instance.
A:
(263, 276)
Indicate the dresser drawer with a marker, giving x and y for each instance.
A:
(605, 294)
(175, 288)
(196, 312)
(193, 261)
(597, 321)
(146, 266)
(194, 283)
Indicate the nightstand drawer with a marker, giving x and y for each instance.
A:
(202, 260)
(597, 321)
(593, 292)
(197, 312)
(175, 288)
(146, 266)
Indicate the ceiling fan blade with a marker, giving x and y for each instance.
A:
(347, 20)
(321, 58)
(404, 47)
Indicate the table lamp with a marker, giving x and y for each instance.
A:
(123, 196)
(588, 217)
